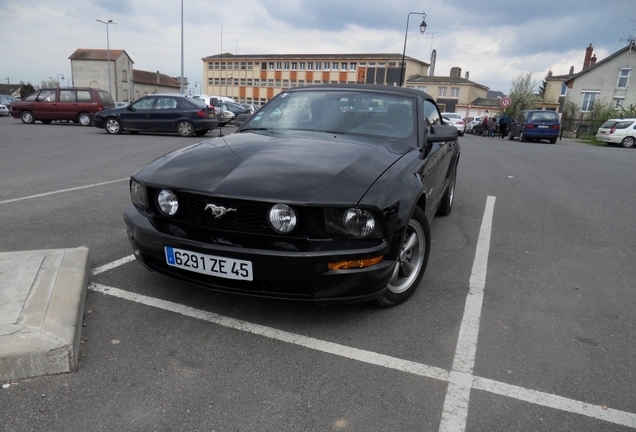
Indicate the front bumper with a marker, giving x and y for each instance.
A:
(284, 274)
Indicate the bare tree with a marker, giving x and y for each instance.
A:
(523, 94)
(50, 83)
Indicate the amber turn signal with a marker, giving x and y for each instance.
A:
(343, 265)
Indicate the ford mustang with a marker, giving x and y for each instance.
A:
(325, 194)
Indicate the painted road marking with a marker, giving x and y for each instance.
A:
(61, 191)
(457, 399)
(460, 378)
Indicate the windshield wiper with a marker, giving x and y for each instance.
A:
(255, 129)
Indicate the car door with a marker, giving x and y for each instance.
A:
(440, 156)
(45, 105)
(167, 111)
(137, 116)
(67, 105)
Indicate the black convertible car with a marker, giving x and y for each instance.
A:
(324, 194)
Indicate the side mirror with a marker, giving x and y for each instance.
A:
(442, 133)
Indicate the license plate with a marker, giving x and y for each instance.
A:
(209, 264)
(542, 127)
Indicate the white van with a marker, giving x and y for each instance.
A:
(208, 99)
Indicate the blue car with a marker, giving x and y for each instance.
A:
(535, 125)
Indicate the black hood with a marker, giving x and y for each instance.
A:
(322, 168)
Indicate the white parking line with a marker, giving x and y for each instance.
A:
(532, 396)
(61, 191)
(460, 378)
(455, 410)
(113, 264)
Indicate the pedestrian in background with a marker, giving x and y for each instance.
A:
(504, 123)
(492, 127)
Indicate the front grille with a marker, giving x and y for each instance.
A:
(250, 217)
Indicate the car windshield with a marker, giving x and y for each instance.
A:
(546, 116)
(338, 111)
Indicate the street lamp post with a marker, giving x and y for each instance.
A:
(422, 30)
(110, 21)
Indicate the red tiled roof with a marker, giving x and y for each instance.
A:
(156, 78)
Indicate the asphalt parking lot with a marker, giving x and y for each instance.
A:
(524, 322)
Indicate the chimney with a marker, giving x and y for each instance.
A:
(431, 68)
(588, 57)
(593, 60)
(456, 72)
(466, 75)
(158, 78)
(571, 70)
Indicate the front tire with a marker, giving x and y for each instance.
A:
(113, 126)
(185, 129)
(522, 137)
(628, 142)
(27, 117)
(84, 119)
(411, 261)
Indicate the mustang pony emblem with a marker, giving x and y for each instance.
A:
(218, 211)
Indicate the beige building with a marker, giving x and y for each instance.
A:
(255, 79)
(452, 93)
(90, 68)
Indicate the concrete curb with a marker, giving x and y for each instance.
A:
(42, 296)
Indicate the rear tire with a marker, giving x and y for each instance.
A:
(85, 119)
(522, 137)
(27, 117)
(553, 140)
(628, 142)
(410, 263)
(447, 201)
(185, 129)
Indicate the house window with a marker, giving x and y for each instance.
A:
(294, 66)
(623, 78)
(318, 66)
(286, 66)
(271, 66)
(352, 67)
(422, 88)
(618, 102)
(125, 95)
(343, 66)
(325, 66)
(334, 66)
(310, 65)
(588, 98)
(279, 65)
(301, 66)
(564, 89)
(441, 92)
(243, 65)
(454, 92)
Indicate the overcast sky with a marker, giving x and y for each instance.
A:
(494, 41)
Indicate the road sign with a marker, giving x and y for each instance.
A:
(469, 106)
(505, 102)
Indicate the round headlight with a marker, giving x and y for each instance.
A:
(168, 202)
(282, 218)
(358, 222)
